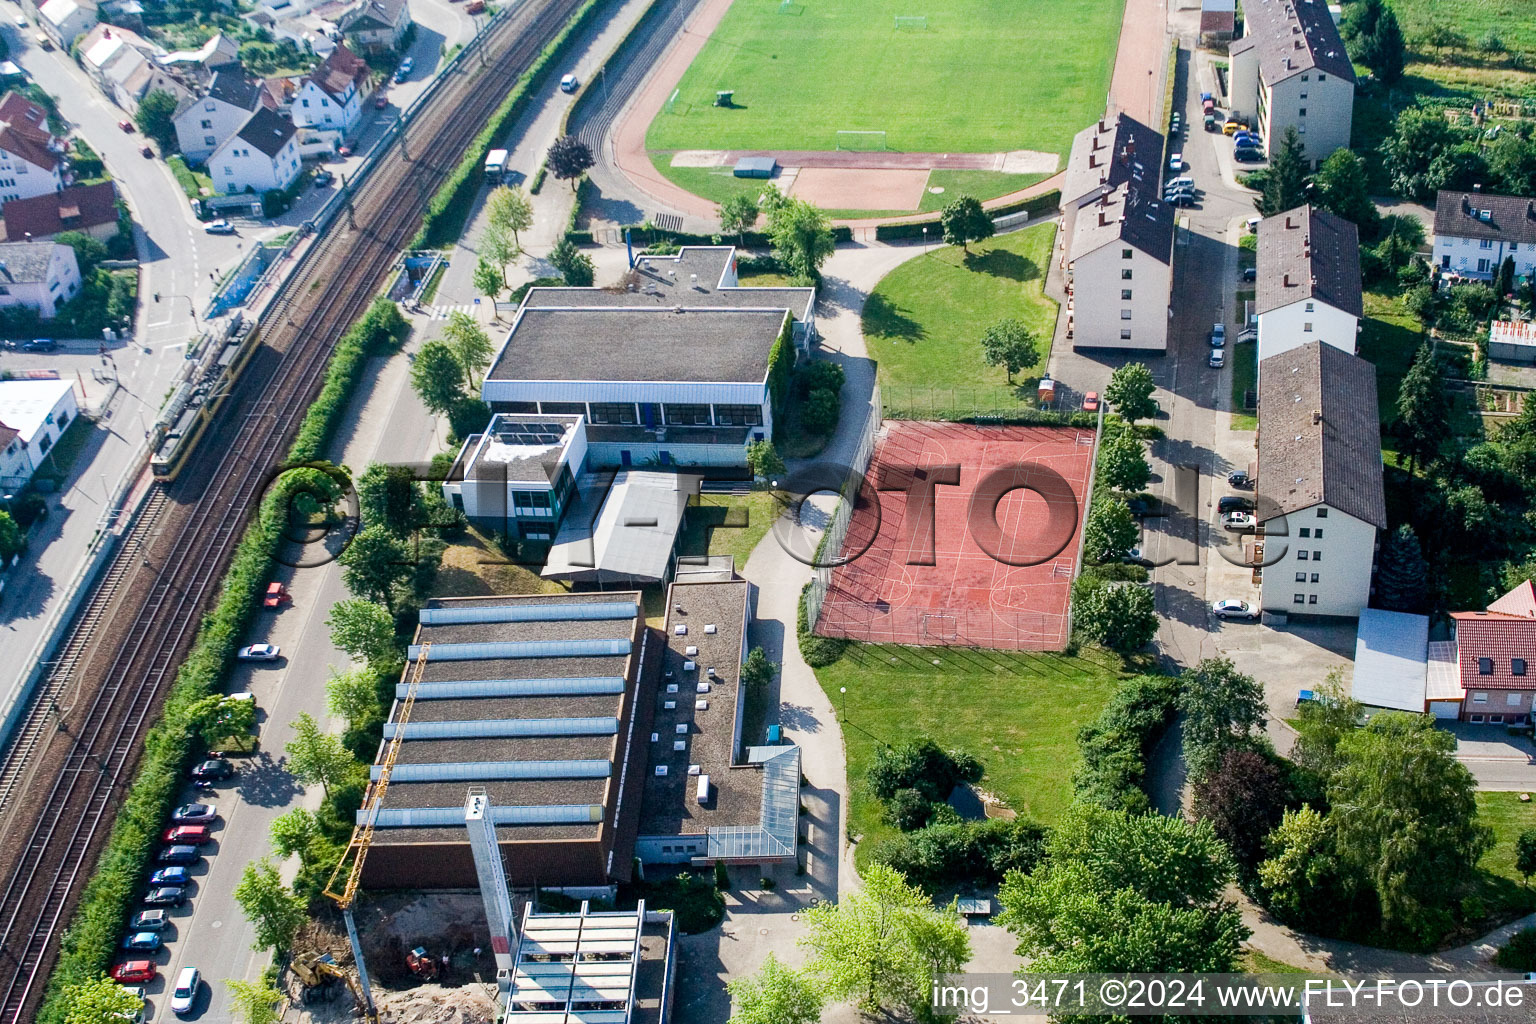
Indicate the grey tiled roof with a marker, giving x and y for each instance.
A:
(1510, 218)
(1124, 150)
(235, 87)
(266, 131)
(1308, 253)
(1293, 36)
(1132, 214)
(1319, 436)
(25, 262)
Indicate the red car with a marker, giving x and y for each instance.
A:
(134, 972)
(1091, 402)
(126, 126)
(188, 835)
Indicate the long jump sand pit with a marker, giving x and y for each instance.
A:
(833, 188)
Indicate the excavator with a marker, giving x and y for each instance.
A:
(421, 964)
(317, 972)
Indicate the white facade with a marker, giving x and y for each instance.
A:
(1482, 257)
(490, 494)
(66, 19)
(1302, 321)
(630, 403)
(237, 166)
(315, 108)
(205, 124)
(1120, 298)
(1318, 105)
(1317, 562)
(44, 291)
(20, 178)
(37, 411)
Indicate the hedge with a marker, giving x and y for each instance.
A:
(1115, 746)
(575, 237)
(90, 944)
(647, 234)
(1046, 201)
(818, 651)
(444, 220)
(538, 178)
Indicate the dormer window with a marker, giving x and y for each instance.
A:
(1517, 666)
(1485, 666)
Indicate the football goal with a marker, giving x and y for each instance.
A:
(912, 22)
(861, 141)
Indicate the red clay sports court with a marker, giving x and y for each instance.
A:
(940, 566)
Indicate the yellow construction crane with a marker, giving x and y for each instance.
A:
(351, 862)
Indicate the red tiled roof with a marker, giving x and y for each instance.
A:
(7, 435)
(14, 140)
(1506, 632)
(74, 209)
(337, 71)
(25, 117)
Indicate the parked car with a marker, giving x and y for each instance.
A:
(180, 854)
(1248, 156)
(1172, 189)
(134, 971)
(1240, 521)
(39, 345)
(143, 942)
(568, 83)
(1141, 507)
(1178, 182)
(126, 126)
(1234, 503)
(1218, 335)
(185, 992)
(475, 7)
(170, 876)
(1091, 402)
(1135, 557)
(218, 227)
(1250, 274)
(1176, 162)
(1232, 608)
(259, 652)
(149, 921)
(1180, 200)
(146, 152)
(381, 100)
(324, 178)
(1218, 358)
(1232, 126)
(194, 814)
(191, 835)
(404, 70)
(1243, 134)
(1238, 478)
(166, 896)
(213, 768)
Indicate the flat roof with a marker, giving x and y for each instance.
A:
(633, 534)
(691, 345)
(522, 447)
(1390, 659)
(590, 967)
(1443, 679)
(25, 405)
(525, 696)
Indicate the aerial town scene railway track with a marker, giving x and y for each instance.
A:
(144, 619)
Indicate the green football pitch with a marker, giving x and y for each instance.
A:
(982, 76)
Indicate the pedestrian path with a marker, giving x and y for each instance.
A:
(442, 312)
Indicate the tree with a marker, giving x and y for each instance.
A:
(293, 832)
(1342, 186)
(1419, 134)
(470, 345)
(1525, 854)
(1504, 281)
(801, 236)
(315, 756)
(1387, 52)
(254, 1002)
(1303, 882)
(387, 498)
(364, 630)
(1110, 531)
(219, 717)
(99, 1001)
(1402, 574)
(1123, 463)
(580, 272)
(88, 251)
(1320, 726)
(487, 279)
(757, 671)
(498, 250)
(1243, 798)
(964, 222)
(468, 415)
(763, 459)
(274, 911)
(1513, 159)
(1222, 707)
(375, 564)
(775, 995)
(509, 208)
(1422, 408)
(1285, 180)
(1010, 344)
(353, 696)
(921, 765)
(1359, 25)
(1118, 892)
(1405, 817)
(882, 945)
(1121, 616)
(437, 377)
(154, 118)
(1130, 392)
(820, 412)
(10, 537)
(569, 159)
(738, 214)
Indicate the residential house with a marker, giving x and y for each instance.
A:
(28, 119)
(63, 20)
(42, 275)
(204, 122)
(1308, 281)
(1475, 231)
(126, 67)
(30, 160)
(89, 209)
(1117, 238)
(261, 156)
(1218, 20)
(376, 26)
(1289, 69)
(330, 98)
(1319, 485)
(1495, 654)
(219, 52)
(33, 414)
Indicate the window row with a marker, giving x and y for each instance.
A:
(1516, 666)
(1511, 700)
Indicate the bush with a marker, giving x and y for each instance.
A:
(975, 853)
(820, 411)
(920, 766)
(908, 810)
(1115, 745)
(818, 651)
(521, 291)
(1519, 953)
(819, 375)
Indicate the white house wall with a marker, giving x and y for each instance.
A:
(1098, 303)
(222, 120)
(1329, 104)
(1287, 327)
(1348, 548)
(1463, 255)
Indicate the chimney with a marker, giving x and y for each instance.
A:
(1288, 224)
(1130, 147)
(1093, 161)
(1125, 157)
(1097, 142)
(1317, 417)
(1477, 187)
(1530, 211)
(1103, 128)
(1103, 219)
(1287, 282)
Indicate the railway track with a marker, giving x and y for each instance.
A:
(123, 661)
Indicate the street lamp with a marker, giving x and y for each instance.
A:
(925, 239)
(842, 714)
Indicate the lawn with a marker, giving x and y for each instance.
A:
(1245, 378)
(475, 567)
(924, 321)
(728, 524)
(984, 76)
(1389, 336)
(1501, 888)
(981, 184)
(1019, 712)
(1514, 21)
